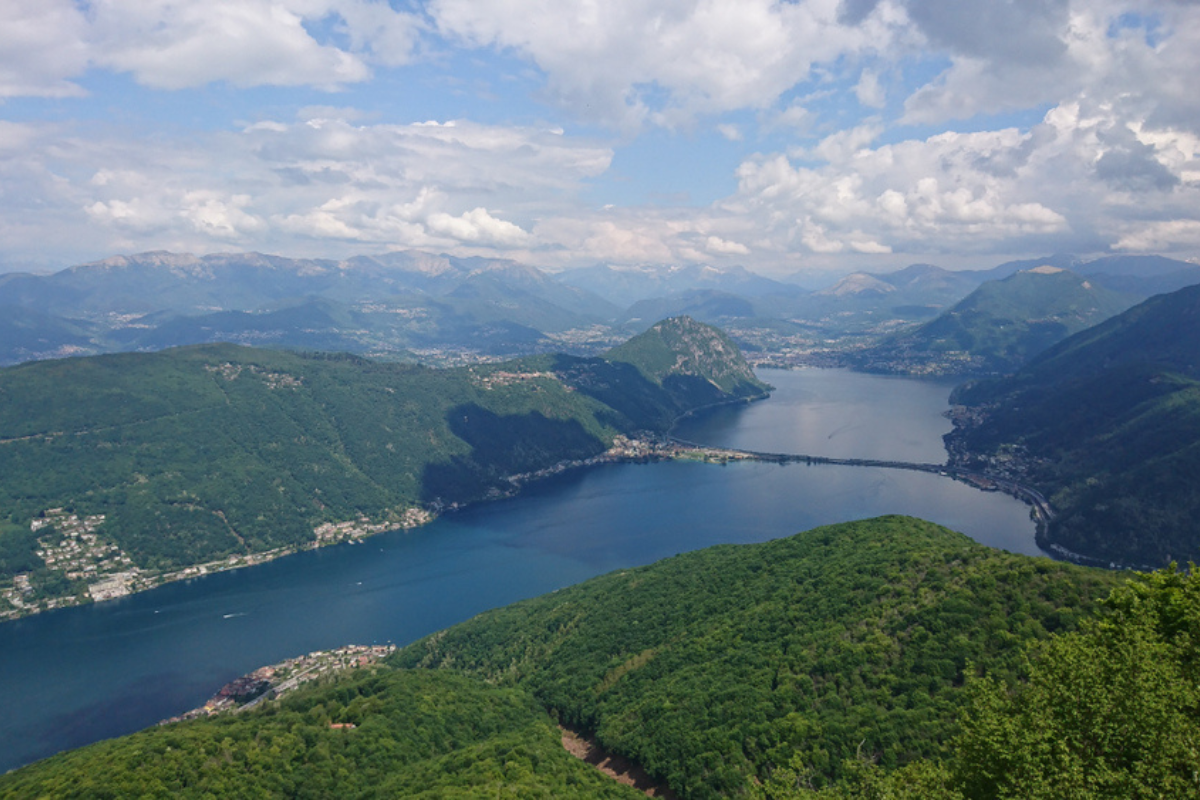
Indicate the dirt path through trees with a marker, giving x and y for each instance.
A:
(617, 768)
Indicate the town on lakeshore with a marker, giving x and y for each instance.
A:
(276, 680)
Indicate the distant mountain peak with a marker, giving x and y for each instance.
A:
(859, 283)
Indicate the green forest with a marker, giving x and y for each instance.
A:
(1107, 424)
(888, 658)
(202, 452)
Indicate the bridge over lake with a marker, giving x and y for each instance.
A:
(1043, 513)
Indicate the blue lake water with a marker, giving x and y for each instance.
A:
(74, 676)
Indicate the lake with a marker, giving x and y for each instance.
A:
(78, 675)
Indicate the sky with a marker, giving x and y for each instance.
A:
(782, 136)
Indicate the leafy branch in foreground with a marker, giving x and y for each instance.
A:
(1109, 711)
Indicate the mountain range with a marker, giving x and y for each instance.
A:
(999, 326)
(414, 306)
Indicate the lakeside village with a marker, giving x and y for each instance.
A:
(94, 569)
(274, 681)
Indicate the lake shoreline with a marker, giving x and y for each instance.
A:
(135, 581)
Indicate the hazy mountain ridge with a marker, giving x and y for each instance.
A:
(396, 304)
(999, 326)
(389, 304)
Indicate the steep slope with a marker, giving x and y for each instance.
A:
(712, 669)
(1108, 423)
(690, 358)
(209, 452)
(999, 326)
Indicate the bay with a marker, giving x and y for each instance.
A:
(78, 675)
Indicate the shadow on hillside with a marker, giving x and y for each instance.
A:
(502, 445)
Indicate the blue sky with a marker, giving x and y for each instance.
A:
(817, 134)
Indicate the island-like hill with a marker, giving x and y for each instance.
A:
(999, 326)
(121, 468)
(1107, 423)
(752, 670)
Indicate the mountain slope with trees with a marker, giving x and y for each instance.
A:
(1107, 423)
(999, 326)
(711, 668)
(200, 453)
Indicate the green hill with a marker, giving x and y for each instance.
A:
(418, 735)
(683, 355)
(999, 326)
(714, 670)
(1108, 424)
(710, 667)
(203, 453)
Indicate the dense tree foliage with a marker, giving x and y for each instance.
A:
(888, 659)
(414, 735)
(1108, 711)
(202, 452)
(712, 668)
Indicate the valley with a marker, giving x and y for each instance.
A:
(190, 462)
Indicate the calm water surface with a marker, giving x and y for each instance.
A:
(78, 675)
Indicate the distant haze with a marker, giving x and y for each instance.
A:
(830, 135)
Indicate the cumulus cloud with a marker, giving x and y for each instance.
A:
(1114, 161)
(42, 46)
(627, 62)
(327, 182)
(1084, 178)
(172, 44)
(715, 244)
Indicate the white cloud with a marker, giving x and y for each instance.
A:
(715, 244)
(869, 91)
(731, 133)
(172, 44)
(41, 47)
(478, 227)
(963, 192)
(324, 182)
(1155, 237)
(626, 62)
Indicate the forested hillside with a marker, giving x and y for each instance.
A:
(1107, 423)
(388, 734)
(712, 668)
(999, 326)
(200, 453)
(830, 660)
